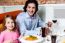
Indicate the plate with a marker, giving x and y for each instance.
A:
(39, 40)
(61, 39)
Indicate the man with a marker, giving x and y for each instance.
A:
(29, 21)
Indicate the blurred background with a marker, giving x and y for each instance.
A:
(22, 2)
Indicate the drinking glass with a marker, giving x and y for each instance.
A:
(53, 35)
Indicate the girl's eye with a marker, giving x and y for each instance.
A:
(8, 22)
(12, 22)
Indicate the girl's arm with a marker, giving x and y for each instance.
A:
(17, 37)
(2, 37)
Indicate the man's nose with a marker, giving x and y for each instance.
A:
(31, 9)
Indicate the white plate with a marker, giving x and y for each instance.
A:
(60, 39)
(40, 40)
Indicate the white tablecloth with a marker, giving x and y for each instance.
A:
(59, 39)
(47, 39)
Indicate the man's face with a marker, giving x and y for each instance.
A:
(31, 9)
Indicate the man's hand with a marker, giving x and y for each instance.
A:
(49, 24)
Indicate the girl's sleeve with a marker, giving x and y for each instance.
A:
(2, 37)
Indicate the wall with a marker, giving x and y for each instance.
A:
(22, 2)
(1, 9)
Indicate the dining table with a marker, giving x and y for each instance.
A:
(59, 39)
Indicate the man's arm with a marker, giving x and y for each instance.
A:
(41, 22)
(20, 23)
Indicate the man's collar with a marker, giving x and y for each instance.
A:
(27, 15)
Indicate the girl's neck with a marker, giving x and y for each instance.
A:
(9, 30)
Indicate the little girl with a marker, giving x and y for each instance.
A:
(9, 35)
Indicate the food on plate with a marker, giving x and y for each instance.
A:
(63, 41)
(31, 38)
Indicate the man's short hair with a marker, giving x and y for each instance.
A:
(31, 1)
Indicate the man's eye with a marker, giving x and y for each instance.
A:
(33, 7)
(29, 7)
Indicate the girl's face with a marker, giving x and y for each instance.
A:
(31, 9)
(9, 23)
